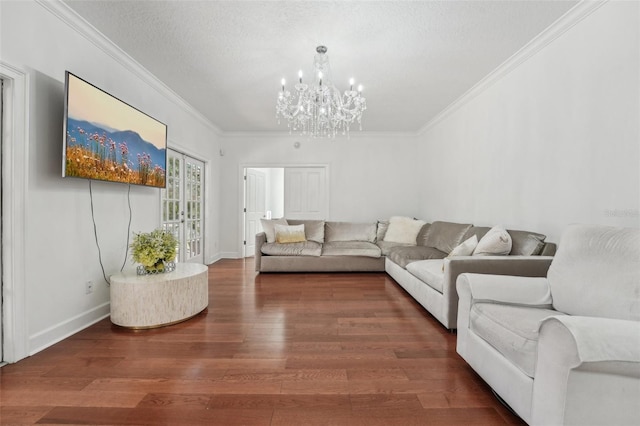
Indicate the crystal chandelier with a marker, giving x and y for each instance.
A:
(318, 109)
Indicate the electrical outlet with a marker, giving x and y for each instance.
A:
(89, 287)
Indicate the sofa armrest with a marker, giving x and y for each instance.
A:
(587, 371)
(523, 266)
(527, 266)
(261, 238)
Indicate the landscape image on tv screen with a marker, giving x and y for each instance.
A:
(107, 139)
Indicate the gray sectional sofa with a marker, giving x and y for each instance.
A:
(429, 276)
(422, 268)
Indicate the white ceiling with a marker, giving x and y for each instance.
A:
(414, 58)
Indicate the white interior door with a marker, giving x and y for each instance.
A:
(255, 207)
(182, 205)
(305, 193)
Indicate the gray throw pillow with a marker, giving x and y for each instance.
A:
(445, 236)
(525, 243)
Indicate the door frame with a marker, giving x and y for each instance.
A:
(241, 196)
(15, 169)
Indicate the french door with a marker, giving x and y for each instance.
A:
(182, 205)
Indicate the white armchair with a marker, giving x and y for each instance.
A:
(564, 349)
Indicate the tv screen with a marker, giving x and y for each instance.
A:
(108, 139)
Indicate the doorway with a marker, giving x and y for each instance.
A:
(182, 205)
(264, 198)
(294, 192)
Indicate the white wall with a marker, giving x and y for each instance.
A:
(60, 247)
(554, 142)
(370, 177)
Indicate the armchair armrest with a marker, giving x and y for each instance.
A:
(528, 266)
(261, 238)
(532, 291)
(599, 339)
(587, 372)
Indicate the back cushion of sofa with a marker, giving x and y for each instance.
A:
(350, 231)
(313, 229)
(478, 231)
(525, 243)
(421, 239)
(445, 236)
(596, 272)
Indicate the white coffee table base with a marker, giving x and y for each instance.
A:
(150, 301)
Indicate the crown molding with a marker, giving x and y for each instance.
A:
(567, 21)
(76, 22)
(356, 134)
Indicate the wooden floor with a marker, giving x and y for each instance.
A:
(271, 349)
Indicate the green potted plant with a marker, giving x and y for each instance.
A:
(155, 250)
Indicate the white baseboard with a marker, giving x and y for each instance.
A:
(61, 331)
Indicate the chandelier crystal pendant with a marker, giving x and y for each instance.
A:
(319, 109)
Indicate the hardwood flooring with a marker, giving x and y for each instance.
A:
(271, 349)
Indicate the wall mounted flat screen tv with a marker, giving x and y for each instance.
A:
(108, 139)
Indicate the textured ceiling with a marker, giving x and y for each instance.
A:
(414, 58)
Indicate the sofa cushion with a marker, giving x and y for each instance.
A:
(307, 248)
(596, 272)
(402, 256)
(495, 242)
(428, 271)
(268, 226)
(289, 234)
(313, 229)
(403, 230)
(446, 235)
(511, 330)
(350, 248)
(421, 239)
(525, 243)
(350, 231)
(386, 246)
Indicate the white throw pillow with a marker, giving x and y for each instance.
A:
(495, 242)
(268, 227)
(289, 234)
(403, 230)
(465, 248)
